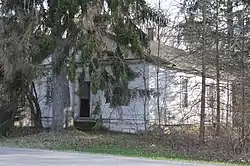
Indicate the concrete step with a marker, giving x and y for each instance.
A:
(84, 124)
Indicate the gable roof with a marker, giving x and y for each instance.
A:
(169, 57)
(185, 62)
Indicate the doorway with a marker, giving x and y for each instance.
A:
(85, 100)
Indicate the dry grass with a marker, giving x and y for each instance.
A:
(177, 145)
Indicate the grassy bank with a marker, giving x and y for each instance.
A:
(117, 144)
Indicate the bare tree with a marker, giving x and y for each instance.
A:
(217, 70)
(203, 74)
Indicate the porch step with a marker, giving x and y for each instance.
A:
(84, 124)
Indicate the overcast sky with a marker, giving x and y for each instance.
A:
(170, 6)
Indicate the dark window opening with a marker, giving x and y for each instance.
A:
(184, 92)
(48, 91)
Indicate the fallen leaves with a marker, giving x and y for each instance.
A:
(169, 146)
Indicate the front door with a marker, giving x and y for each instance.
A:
(84, 108)
(85, 100)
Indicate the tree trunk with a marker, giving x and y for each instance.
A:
(38, 119)
(73, 109)
(145, 100)
(157, 73)
(203, 73)
(60, 94)
(13, 102)
(228, 104)
(34, 105)
(243, 84)
(230, 35)
(217, 73)
(234, 110)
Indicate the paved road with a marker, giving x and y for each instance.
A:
(34, 157)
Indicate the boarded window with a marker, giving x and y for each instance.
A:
(184, 92)
(211, 95)
(48, 90)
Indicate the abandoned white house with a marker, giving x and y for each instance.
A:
(179, 97)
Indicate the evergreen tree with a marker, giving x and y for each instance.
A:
(61, 26)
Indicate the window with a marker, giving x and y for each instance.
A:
(211, 95)
(119, 113)
(48, 90)
(184, 92)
